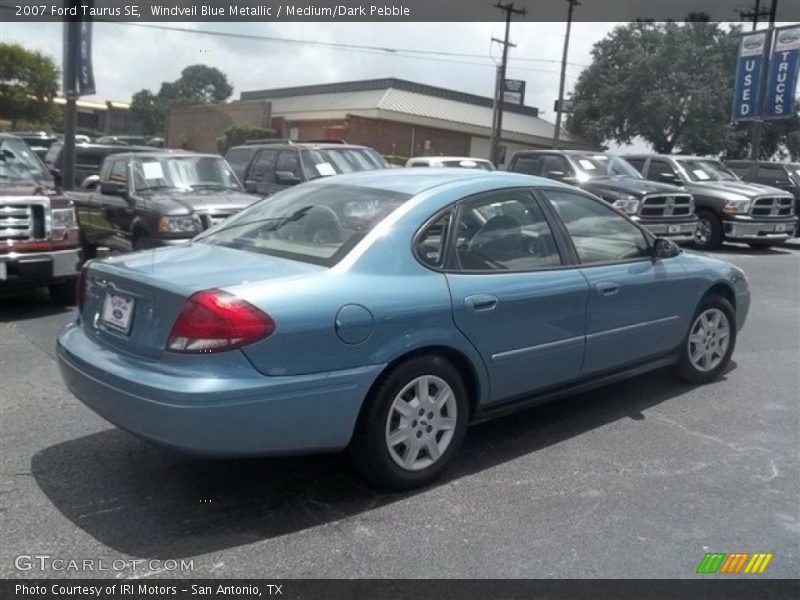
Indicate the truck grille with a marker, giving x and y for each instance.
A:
(772, 207)
(22, 222)
(671, 205)
(209, 220)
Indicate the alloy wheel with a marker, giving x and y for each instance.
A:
(709, 339)
(421, 423)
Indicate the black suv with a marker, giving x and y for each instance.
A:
(781, 175)
(729, 209)
(665, 210)
(268, 167)
(88, 159)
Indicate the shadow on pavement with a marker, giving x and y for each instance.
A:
(30, 305)
(145, 501)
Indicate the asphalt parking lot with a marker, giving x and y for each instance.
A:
(638, 479)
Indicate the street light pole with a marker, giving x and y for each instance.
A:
(557, 133)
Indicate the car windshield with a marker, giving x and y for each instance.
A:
(707, 170)
(318, 224)
(333, 161)
(183, 173)
(19, 163)
(603, 165)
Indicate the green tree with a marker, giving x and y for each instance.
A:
(146, 110)
(198, 84)
(239, 134)
(669, 83)
(28, 84)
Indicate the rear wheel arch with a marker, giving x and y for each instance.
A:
(462, 363)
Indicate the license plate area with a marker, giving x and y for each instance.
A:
(117, 312)
(677, 228)
(781, 227)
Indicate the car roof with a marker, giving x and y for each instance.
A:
(680, 156)
(314, 145)
(415, 181)
(435, 158)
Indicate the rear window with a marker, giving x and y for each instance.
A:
(314, 224)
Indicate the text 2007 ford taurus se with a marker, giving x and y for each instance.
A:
(384, 311)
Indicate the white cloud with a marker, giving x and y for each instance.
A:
(127, 59)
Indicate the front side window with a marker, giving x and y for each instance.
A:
(318, 224)
(504, 231)
(263, 169)
(555, 163)
(661, 170)
(636, 163)
(119, 172)
(288, 162)
(600, 234)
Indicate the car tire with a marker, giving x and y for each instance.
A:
(709, 234)
(88, 250)
(387, 416)
(707, 348)
(64, 292)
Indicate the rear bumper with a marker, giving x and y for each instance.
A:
(32, 269)
(678, 230)
(746, 229)
(240, 412)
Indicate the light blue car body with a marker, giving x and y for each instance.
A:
(338, 329)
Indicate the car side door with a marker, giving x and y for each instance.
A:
(515, 295)
(115, 207)
(638, 306)
(662, 171)
(528, 164)
(260, 177)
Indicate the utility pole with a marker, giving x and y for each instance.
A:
(70, 107)
(497, 112)
(754, 15)
(755, 142)
(557, 133)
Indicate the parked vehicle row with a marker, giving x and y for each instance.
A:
(728, 209)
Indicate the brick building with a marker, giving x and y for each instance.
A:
(404, 119)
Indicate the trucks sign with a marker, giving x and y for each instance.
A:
(748, 77)
(783, 74)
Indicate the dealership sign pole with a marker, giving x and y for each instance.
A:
(783, 70)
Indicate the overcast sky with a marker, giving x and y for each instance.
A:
(128, 58)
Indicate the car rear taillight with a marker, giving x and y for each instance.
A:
(214, 321)
(80, 289)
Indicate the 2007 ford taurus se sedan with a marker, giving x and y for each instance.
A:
(382, 312)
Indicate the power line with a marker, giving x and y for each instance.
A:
(333, 45)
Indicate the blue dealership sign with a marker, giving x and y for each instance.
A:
(748, 77)
(783, 74)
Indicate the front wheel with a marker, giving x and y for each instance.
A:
(143, 241)
(709, 234)
(708, 346)
(412, 426)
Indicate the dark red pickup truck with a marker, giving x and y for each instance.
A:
(39, 237)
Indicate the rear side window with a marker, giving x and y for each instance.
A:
(52, 153)
(431, 243)
(529, 165)
(238, 159)
(772, 175)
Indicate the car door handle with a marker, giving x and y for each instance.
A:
(480, 302)
(606, 288)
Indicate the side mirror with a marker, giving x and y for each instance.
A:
(90, 182)
(557, 175)
(250, 187)
(112, 188)
(664, 248)
(670, 178)
(286, 178)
